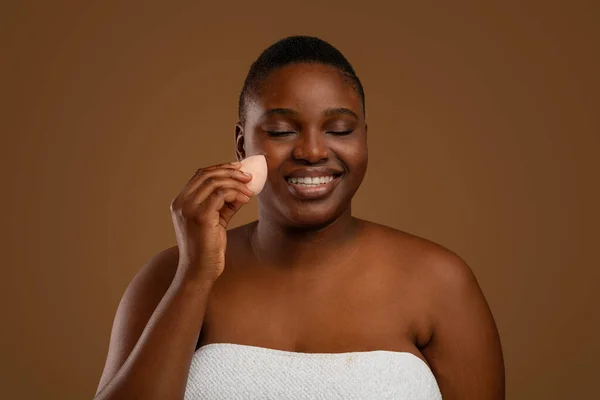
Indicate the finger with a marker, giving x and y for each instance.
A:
(231, 207)
(235, 164)
(212, 184)
(205, 175)
(199, 171)
(221, 205)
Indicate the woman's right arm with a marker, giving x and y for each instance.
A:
(155, 333)
(159, 318)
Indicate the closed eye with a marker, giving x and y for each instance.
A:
(282, 133)
(279, 133)
(340, 132)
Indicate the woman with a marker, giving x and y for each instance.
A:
(307, 301)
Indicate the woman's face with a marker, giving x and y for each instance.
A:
(308, 121)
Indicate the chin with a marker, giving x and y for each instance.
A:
(312, 215)
(305, 214)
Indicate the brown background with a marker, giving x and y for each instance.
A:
(483, 136)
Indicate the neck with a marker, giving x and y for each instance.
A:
(300, 248)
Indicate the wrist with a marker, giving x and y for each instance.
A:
(189, 277)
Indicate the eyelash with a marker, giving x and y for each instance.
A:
(278, 133)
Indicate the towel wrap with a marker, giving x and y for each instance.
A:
(227, 371)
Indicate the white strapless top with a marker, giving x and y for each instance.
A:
(230, 371)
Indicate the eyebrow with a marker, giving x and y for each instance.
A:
(340, 110)
(328, 113)
(279, 111)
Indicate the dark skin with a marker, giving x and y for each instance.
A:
(310, 277)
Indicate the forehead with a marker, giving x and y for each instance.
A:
(306, 88)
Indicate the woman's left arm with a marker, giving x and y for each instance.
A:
(464, 352)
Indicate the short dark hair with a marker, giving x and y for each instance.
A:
(292, 50)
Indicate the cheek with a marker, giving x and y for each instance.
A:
(260, 143)
(252, 144)
(275, 153)
(354, 155)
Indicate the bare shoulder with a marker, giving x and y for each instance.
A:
(464, 350)
(149, 285)
(137, 305)
(161, 268)
(152, 280)
(434, 262)
(436, 276)
(145, 291)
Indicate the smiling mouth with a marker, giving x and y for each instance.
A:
(314, 181)
(312, 188)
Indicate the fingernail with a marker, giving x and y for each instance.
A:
(246, 173)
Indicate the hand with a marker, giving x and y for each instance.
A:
(201, 213)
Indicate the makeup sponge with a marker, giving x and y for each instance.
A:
(257, 166)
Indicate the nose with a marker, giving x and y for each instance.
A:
(311, 146)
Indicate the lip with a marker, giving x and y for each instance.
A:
(316, 192)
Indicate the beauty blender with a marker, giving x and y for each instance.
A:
(257, 166)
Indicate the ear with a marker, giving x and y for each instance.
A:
(240, 145)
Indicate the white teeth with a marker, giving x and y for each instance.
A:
(311, 181)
